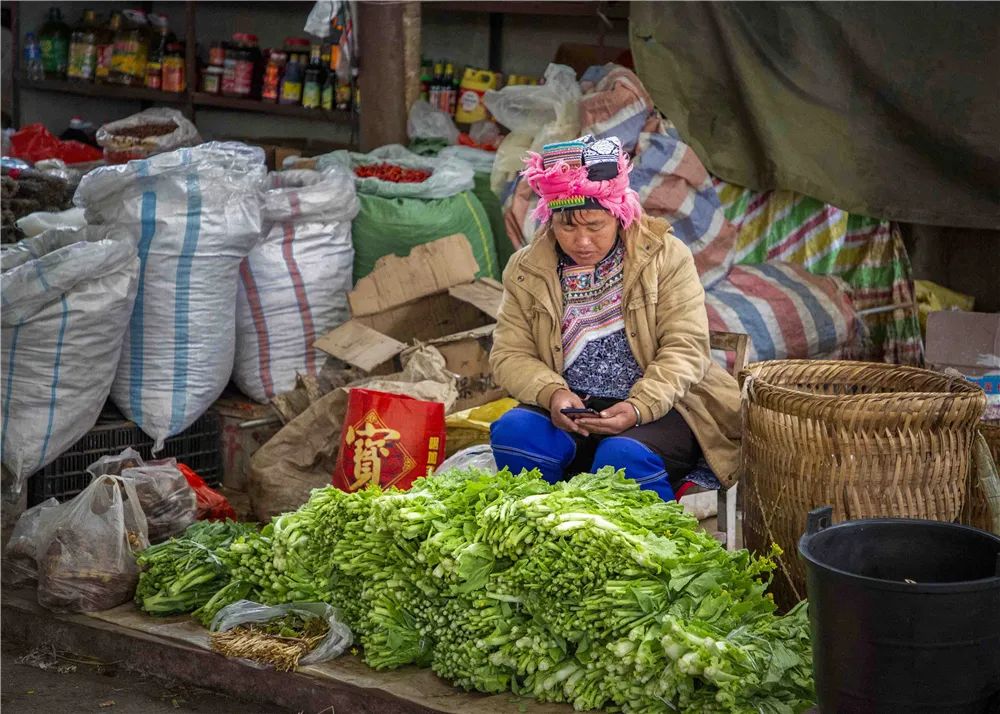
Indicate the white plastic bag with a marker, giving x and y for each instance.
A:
(20, 557)
(479, 456)
(87, 550)
(293, 286)
(40, 221)
(120, 147)
(427, 122)
(536, 115)
(449, 176)
(115, 464)
(480, 160)
(245, 612)
(67, 298)
(196, 214)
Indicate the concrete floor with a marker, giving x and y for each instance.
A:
(55, 684)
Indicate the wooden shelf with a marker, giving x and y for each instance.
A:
(201, 99)
(611, 10)
(102, 91)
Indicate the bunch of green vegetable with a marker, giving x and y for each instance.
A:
(184, 573)
(592, 592)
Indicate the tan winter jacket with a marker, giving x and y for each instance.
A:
(667, 329)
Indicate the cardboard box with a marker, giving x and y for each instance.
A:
(968, 342)
(432, 297)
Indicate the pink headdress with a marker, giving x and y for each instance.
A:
(581, 174)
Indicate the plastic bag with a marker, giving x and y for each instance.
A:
(168, 501)
(115, 464)
(40, 221)
(426, 122)
(36, 143)
(119, 147)
(211, 505)
(480, 160)
(448, 176)
(67, 298)
(21, 554)
(244, 612)
(388, 440)
(473, 457)
(87, 559)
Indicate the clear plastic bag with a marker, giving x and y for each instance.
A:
(87, 559)
(245, 612)
(449, 176)
(21, 554)
(167, 500)
(473, 457)
(426, 122)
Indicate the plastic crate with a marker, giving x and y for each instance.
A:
(198, 447)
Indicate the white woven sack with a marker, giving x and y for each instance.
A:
(293, 285)
(67, 297)
(196, 215)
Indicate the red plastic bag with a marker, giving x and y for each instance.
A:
(388, 439)
(35, 143)
(212, 505)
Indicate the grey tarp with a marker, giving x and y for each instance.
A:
(890, 110)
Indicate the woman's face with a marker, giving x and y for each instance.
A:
(586, 236)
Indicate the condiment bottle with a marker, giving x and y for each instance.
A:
(312, 86)
(291, 82)
(276, 61)
(157, 51)
(128, 64)
(174, 77)
(53, 38)
(106, 46)
(82, 63)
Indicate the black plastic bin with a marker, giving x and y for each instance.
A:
(198, 446)
(905, 616)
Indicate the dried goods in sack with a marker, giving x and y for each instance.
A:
(293, 286)
(20, 556)
(150, 132)
(67, 298)
(196, 215)
(88, 561)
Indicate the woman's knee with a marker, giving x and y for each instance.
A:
(524, 438)
(641, 463)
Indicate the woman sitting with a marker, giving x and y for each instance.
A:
(603, 336)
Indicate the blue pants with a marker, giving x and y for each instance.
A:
(525, 438)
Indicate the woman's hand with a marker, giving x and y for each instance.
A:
(614, 420)
(565, 399)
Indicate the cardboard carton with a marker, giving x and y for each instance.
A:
(966, 341)
(429, 297)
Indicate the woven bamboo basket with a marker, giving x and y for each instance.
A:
(871, 440)
(980, 515)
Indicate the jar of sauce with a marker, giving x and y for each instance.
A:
(271, 89)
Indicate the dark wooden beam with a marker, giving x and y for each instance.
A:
(382, 46)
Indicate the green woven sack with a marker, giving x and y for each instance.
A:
(397, 225)
(396, 217)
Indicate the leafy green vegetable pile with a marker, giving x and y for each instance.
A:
(183, 574)
(591, 592)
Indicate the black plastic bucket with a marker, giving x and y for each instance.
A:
(905, 616)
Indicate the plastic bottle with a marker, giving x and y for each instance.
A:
(328, 99)
(436, 86)
(106, 46)
(291, 82)
(33, 58)
(128, 63)
(53, 38)
(174, 65)
(276, 61)
(82, 63)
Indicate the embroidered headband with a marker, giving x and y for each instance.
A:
(583, 173)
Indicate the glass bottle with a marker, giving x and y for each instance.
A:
(82, 62)
(106, 46)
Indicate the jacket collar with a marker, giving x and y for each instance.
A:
(642, 243)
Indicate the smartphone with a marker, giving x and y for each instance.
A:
(572, 413)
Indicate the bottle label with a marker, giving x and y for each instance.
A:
(82, 60)
(243, 77)
(327, 102)
(291, 92)
(54, 53)
(173, 75)
(32, 53)
(129, 59)
(105, 53)
(311, 95)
